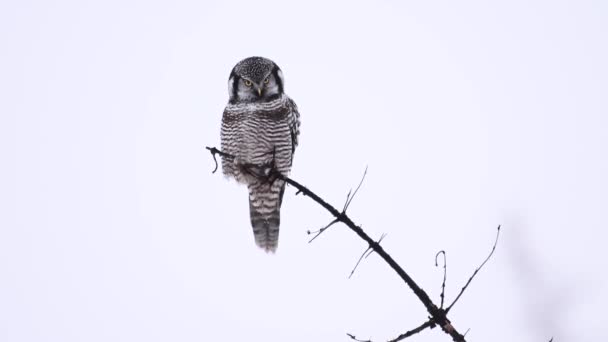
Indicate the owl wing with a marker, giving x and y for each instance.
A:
(294, 126)
(229, 132)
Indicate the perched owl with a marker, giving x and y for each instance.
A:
(260, 127)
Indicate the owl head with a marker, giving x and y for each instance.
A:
(255, 79)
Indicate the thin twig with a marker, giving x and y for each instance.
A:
(414, 331)
(320, 231)
(214, 151)
(356, 339)
(358, 262)
(379, 241)
(445, 271)
(365, 254)
(476, 271)
(349, 200)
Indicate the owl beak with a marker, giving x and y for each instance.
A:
(260, 91)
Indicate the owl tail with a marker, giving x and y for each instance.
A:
(264, 208)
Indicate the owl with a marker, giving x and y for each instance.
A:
(260, 128)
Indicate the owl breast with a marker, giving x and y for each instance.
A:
(258, 134)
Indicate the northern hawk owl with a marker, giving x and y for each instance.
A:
(260, 127)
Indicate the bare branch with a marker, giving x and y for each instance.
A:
(476, 271)
(423, 326)
(356, 339)
(427, 324)
(445, 271)
(438, 315)
(320, 231)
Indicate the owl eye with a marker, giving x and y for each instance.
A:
(248, 83)
(266, 80)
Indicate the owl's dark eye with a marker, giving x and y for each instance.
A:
(248, 83)
(266, 80)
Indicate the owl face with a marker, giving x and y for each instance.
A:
(255, 79)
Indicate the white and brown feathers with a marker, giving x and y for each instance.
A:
(260, 126)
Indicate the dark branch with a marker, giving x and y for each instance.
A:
(356, 339)
(438, 315)
(427, 324)
(445, 272)
(214, 151)
(476, 271)
(365, 254)
(423, 326)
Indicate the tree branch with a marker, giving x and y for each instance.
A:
(445, 273)
(427, 324)
(476, 271)
(438, 315)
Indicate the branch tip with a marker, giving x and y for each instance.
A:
(356, 339)
(427, 324)
(476, 271)
(445, 272)
(350, 198)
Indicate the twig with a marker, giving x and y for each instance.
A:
(358, 262)
(214, 151)
(350, 198)
(414, 331)
(445, 271)
(320, 231)
(423, 326)
(356, 339)
(364, 256)
(476, 271)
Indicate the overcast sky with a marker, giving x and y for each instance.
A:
(468, 115)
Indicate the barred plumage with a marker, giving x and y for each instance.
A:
(260, 127)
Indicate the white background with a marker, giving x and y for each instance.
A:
(468, 114)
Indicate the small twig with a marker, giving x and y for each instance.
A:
(214, 151)
(347, 199)
(445, 271)
(358, 262)
(320, 231)
(423, 326)
(379, 241)
(356, 339)
(368, 251)
(414, 331)
(350, 198)
(476, 271)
